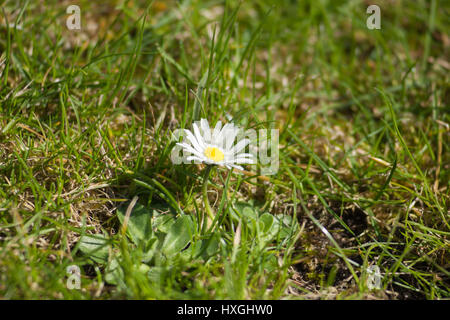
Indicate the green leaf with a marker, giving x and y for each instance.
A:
(157, 274)
(95, 247)
(139, 225)
(150, 247)
(179, 235)
(285, 227)
(163, 222)
(268, 227)
(206, 248)
(114, 273)
(270, 264)
(266, 222)
(247, 210)
(211, 246)
(144, 268)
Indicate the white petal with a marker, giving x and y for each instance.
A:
(237, 167)
(229, 137)
(193, 140)
(242, 161)
(240, 145)
(220, 136)
(188, 148)
(216, 131)
(198, 136)
(204, 125)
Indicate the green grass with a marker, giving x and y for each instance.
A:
(85, 126)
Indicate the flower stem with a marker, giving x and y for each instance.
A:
(208, 208)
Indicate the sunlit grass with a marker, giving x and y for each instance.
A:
(86, 122)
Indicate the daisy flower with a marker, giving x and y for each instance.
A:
(216, 146)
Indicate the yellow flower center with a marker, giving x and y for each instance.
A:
(214, 154)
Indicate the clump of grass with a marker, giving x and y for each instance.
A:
(86, 119)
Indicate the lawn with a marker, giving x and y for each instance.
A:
(355, 204)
